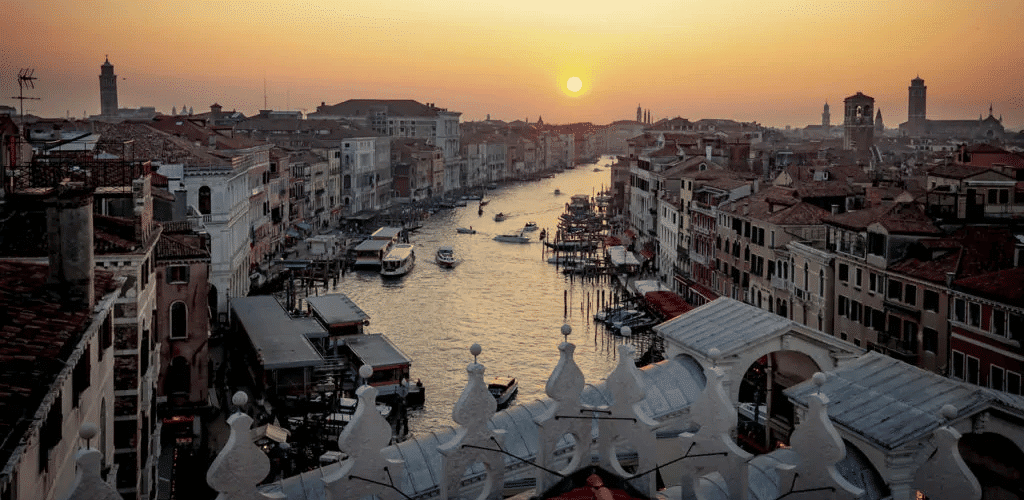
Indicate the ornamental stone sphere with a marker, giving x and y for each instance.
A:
(240, 398)
(626, 331)
(566, 329)
(88, 431)
(366, 371)
(819, 379)
(948, 412)
(475, 350)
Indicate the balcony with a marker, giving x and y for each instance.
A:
(780, 283)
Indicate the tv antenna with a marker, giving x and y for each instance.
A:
(25, 79)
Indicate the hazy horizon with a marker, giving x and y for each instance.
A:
(774, 62)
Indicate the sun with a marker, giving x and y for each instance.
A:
(574, 84)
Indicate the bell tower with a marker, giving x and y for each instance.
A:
(859, 124)
(108, 89)
(917, 106)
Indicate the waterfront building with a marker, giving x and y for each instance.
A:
(404, 118)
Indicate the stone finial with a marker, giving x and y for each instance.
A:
(623, 420)
(240, 465)
(565, 388)
(944, 475)
(566, 331)
(363, 440)
(717, 418)
(626, 331)
(89, 484)
(819, 447)
(474, 441)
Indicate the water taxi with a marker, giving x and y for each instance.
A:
(446, 257)
(398, 261)
(503, 389)
(512, 238)
(465, 230)
(530, 226)
(498, 217)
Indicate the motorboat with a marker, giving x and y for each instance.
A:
(399, 261)
(466, 230)
(484, 202)
(512, 238)
(498, 217)
(558, 191)
(572, 246)
(530, 226)
(597, 170)
(492, 186)
(446, 257)
(503, 389)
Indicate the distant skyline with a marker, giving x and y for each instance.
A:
(772, 61)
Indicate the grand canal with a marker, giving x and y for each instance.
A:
(503, 296)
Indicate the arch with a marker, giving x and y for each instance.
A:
(205, 206)
(996, 461)
(179, 377)
(759, 392)
(178, 320)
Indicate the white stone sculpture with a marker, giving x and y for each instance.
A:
(944, 475)
(89, 485)
(241, 465)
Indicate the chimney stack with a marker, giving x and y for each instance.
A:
(949, 279)
(69, 232)
(835, 209)
(707, 151)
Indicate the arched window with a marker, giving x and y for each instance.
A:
(179, 320)
(204, 200)
(807, 279)
(821, 282)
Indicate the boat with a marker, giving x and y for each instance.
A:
(498, 217)
(512, 238)
(460, 203)
(446, 257)
(572, 246)
(398, 261)
(492, 186)
(543, 234)
(503, 389)
(466, 230)
(558, 191)
(530, 226)
(484, 202)
(597, 170)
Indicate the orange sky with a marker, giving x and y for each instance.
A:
(772, 61)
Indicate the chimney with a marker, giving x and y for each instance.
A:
(69, 232)
(835, 209)
(707, 151)
(746, 209)
(949, 279)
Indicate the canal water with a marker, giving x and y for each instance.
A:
(503, 296)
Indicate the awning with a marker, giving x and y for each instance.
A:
(647, 254)
(630, 234)
(270, 431)
(303, 226)
(612, 241)
(667, 304)
(292, 233)
(619, 257)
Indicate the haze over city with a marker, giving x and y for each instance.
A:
(775, 62)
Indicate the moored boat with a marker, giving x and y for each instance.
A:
(446, 257)
(399, 261)
(503, 389)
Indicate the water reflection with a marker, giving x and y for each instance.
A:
(504, 296)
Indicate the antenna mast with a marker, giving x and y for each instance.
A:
(25, 79)
(264, 92)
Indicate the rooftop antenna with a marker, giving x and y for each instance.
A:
(265, 92)
(25, 79)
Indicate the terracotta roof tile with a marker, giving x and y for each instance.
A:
(1006, 286)
(898, 218)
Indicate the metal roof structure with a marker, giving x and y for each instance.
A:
(890, 403)
(376, 350)
(372, 245)
(280, 340)
(671, 387)
(336, 309)
(726, 324)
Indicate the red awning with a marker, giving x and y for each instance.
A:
(668, 304)
(647, 254)
(612, 241)
(630, 234)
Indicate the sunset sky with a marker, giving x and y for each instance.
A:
(770, 61)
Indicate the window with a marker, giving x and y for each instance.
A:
(1004, 196)
(996, 378)
(910, 336)
(821, 283)
(973, 369)
(999, 322)
(931, 300)
(50, 432)
(177, 274)
(930, 340)
(858, 280)
(910, 294)
(1013, 383)
(868, 311)
(81, 377)
(204, 200)
(855, 310)
(844, 273)
(807, 277)
(993, 195)
(895, 290)
(843, 306)
(876, 244)
(957, 366)
(974, 314)
(960, 310)
(1016, 329)
(179, 320)
(873, 282)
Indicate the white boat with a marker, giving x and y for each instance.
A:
(503, 389)
(498, 217)
(446, 257)
(512, 238)
(466, 230)
(530, 226)
(398, 261)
